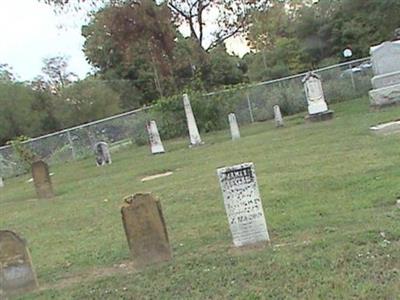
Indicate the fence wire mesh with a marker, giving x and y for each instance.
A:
(250, 103)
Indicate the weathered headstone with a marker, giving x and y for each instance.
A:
(278, 116)
(41, 180)
(194, 135)
(233, 125)
(317, 107)
(103, 155)
(243, 204)
(156, 145)
(16, 272)
(145, 230)
(1, 182)
(385, 60)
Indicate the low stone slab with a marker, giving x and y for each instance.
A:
(386, 128)
(385, 80)
(152, 177)
(324, 116)
(145, 230)
(385, 96)
(41, 180)
(16, 272)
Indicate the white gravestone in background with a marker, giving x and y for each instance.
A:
(243, 204)
(278, 116)
(235, 133)
(1, 182)
(156, 145)
(191, 122)
(103, 156)
(315, 94)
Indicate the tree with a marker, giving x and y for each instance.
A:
(56, 74)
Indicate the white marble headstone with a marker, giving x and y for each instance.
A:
(235, 133)
(315, 94)
(156, 145)
(191, 122)
(278, 116)
(385, 58)
(243, 204)
(1, 182)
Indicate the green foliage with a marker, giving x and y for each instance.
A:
(26, 156)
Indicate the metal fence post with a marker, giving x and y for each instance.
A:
(250, 108)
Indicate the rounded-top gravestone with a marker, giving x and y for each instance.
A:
(41, 180)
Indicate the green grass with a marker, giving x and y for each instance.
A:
(328, 190)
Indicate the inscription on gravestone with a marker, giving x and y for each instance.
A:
(243, 204)
(145, 230)
(16, 273)
(41, 180)
(156, 145)
(103, 155)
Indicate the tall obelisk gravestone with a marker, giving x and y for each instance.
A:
(156, 145)
(195, 139)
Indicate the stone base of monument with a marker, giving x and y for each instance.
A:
(324, 116)
(196, 145)
(386, 96)
(386, 128)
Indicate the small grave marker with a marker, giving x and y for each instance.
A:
(233, 125)
(195, 139)
(16, 272)
(103, 156)
(145, 230)
(243, 204)
(156, 145)
(278, 116)
(41, 180)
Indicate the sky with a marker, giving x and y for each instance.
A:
(30, 31)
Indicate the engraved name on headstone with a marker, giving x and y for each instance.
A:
(233, 125)
(16, 272)
(103, 155)
(156, 145)
(194, 135)
(278, 116)
(243, 204)
(145, 230)
(41, 180)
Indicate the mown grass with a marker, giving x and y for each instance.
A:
(328, 189)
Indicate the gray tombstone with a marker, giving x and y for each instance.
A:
(145, 230)
(1, 182)
(103, 156)
(156, 146)
(317, 107)
(386, 82)
(233, 125)
(278, 116)
(195, 139)
(16, 272)
(243, 204)
(41, 180)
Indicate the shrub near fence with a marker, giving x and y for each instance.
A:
(250, 103)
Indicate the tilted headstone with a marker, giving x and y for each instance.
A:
(195, 139)
(233, 125)
(145, 230)
(103, 155)
(41, 180)
(16, 272)
(385, 60)
(156, 145)
(317, 107)
(243, 204)
(278, 116)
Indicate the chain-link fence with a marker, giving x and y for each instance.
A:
(251, 103)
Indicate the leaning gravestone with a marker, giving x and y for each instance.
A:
(317, 107)
(145, 230)
(243, 204)
(233, 125)
(195, 139)
(41, 180)
(278, 116)
(103, 155)
(156, 145)
(385, 60)
(16, 272)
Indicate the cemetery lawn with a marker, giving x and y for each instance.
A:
(328, 190)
